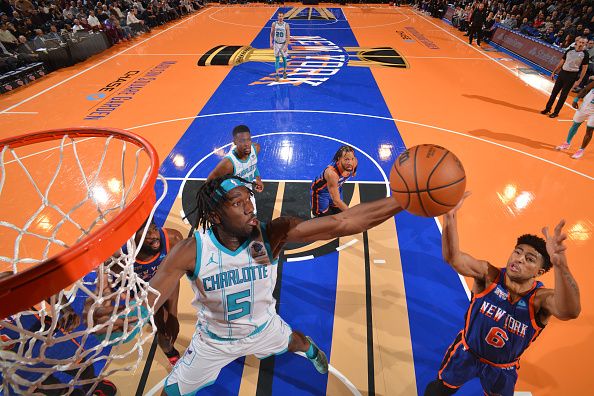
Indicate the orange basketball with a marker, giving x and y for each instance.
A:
(427, 180)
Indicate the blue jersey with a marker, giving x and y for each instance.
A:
(498, 330)
(147, 269)
(320, 195)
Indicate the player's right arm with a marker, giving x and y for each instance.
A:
(272, 34)
(463, 263)
(582, 93)
(332, 180)
(224, 167)
(354, 220)
(181, 260)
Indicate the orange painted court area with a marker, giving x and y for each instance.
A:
(478, 102)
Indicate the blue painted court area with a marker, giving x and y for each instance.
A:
(299, 129)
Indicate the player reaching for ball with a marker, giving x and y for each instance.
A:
(231, 262)
(326, 190)
(508, 310)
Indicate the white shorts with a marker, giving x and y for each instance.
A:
(280, 51)
(205, 357)
(581, 116)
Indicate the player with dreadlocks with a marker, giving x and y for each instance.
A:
(326, 190)
(232, 264)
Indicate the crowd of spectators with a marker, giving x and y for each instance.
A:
(556, 22)
(28, 28)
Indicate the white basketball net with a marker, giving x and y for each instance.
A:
(78, 186)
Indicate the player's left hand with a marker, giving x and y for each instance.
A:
(258, 185)
(69, 320)
(575, 105)
(555, 245)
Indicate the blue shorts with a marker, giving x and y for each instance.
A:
(460, 366)
(322, 204)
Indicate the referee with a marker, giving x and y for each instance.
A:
(569, 76)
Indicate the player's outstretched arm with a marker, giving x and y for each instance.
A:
(352, 221)
(462, 263)
(564, 301)
(181, 260)
(224, 167)
(332, 179)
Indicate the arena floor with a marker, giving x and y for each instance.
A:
(383, 305)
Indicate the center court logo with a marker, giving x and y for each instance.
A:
(313, 60)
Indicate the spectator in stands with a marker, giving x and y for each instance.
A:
(549, 35)
(7, 38)
(489, 27)
(525, 27)
(510, 22)
(24, 6)
(53, 34)
(77, 27)
(571, 70)
(26, 51)
(8, 60)
(93, 21)
(135, 24)
(39, 41)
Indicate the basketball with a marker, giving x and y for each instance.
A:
(427, 180)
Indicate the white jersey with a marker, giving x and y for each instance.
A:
(280, 32)
(238, 286)
(588, 103)
(244, 168)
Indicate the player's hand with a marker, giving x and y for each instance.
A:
(555, 246)
(455, 209)
(258, 185)
(553, 77)
(575, 105)
(68, 320)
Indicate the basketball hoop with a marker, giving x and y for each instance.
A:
(69, 200)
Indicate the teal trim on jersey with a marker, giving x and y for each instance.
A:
(172, 390)
(198, 256)
(217, 338)
(222, 248)
(239, 159)
(273, 260)
(251, 287)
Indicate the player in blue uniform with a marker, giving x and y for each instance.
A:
(69, 321)
(326, 190)
(157, 243)
(508, 310)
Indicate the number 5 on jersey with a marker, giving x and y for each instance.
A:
(496, 337)
(233, 305)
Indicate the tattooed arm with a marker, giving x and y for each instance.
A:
(563, 302)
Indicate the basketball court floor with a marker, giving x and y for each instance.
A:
(383, 304)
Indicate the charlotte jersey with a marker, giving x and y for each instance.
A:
(588, 103)
(280, 32)
(498, 330)
(238, 286)
(246, 169)
(147, 269)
